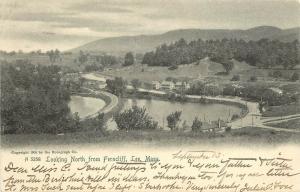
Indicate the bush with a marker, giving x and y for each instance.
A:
(295, 77)
(197, 124)
(173, 120)
(135, 118)
(253, 78)
(234, 117)
(129, 59)
(227, 129)
(236, 78)
(277, 74)
(173, 67)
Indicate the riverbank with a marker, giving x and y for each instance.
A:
(112, 103)
(245, 106)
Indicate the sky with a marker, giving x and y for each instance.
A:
(64, 24)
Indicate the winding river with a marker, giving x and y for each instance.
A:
(158, 109)
(85, 106)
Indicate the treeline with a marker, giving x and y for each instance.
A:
(263, 53)
(33, 100)
(255, 92)
(98, 62)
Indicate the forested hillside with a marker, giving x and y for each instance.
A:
(144, 43)
(33, 100)
(262, 53)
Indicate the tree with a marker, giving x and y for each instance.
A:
(83, 58)
(99, 122)
(253, 78)
(228, 66)
(116, 86)
(277, 74)
(93, 67)
(148, 58)
(135, 118)
(33, 100)
(136, 83)
(129, 59)
(262, 53)
(53, 55)
(236, 78)
(173, 120)
(295, 77)
(197, 124)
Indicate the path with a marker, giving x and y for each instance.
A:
(108, 107)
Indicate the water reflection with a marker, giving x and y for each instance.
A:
(85, 106)
(159, 110)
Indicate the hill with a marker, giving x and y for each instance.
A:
(143, 43)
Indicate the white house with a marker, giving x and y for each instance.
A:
(155, 85)
(182, 85)
(169, 85)
(276, 90)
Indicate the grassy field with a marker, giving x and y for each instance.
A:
(41, 59)
(282, 110)
(204, 69)
(243, 137)
(291, 124)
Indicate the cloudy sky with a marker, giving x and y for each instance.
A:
(64, 24)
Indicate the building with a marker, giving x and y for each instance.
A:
(167, 85)
(180, 85)
(155, 85)
(276, 91)
(71, 77)
(216, 126)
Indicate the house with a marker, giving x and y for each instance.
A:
(90, 82)
(219, 124)
(213, 126)
(277, 91)
(167, 85)
(180, 85)
(71, 77)
(155, 85)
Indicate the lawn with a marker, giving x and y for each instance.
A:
(282, 110)
(243, 137)
(156, 73)
(202, 69)
(291, 124)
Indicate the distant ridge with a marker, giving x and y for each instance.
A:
(143, 43)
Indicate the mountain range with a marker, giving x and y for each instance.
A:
(144, 43)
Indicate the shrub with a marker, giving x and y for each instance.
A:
(295, 77)
(234, 117)
(236, 78)
(277, 74)
(197, 124)
(227, 129)
(134, 119)
(173, 120)
(173, 67)
(253, 78)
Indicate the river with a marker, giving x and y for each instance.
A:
(158, 109)
(85, 106)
